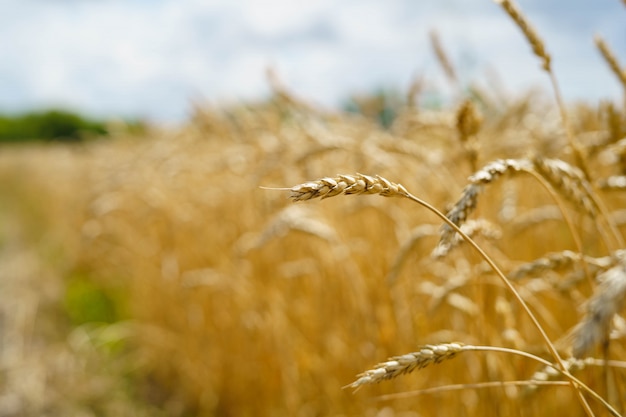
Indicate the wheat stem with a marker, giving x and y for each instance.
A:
(477, 385)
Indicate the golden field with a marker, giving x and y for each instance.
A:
(155, 275)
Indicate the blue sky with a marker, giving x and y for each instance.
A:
(151, 58)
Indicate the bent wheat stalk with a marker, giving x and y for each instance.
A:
(474, 386)
(365, 184)
(434, 354)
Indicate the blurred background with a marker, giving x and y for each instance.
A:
(145, 272)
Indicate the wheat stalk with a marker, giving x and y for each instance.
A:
(474, 386)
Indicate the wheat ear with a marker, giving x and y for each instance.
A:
(547, 172)
(472, 228)
(442, 57)
(347, 184)
(550, 262)
(400, 365)
(611, 59)
(572, 183)
(469, 197)
(531, 35)
(549, 373)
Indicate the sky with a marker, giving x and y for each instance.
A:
(152, 59)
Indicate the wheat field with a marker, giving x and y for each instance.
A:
(184, 272)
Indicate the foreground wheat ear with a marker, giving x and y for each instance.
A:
(347, 184)
(399, 365)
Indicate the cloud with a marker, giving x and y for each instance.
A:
(149, 58)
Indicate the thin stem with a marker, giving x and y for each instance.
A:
(459, 387)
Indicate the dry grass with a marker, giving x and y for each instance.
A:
(231, 300)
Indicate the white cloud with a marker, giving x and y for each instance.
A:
(149, 58)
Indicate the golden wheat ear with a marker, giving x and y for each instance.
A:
(530, 33)
(346, 184)
(469, 197)
(611, 60)
(404, 364)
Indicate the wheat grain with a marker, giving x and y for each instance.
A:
(347, 184)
